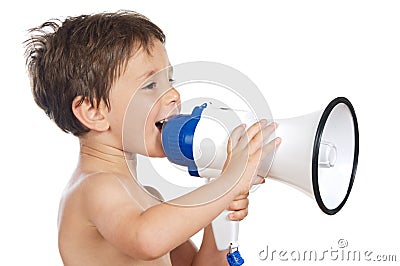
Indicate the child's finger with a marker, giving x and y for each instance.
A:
(267, 131)
(242, 196)
(270, 147)
(258, 180)
(237, 205)
(256, 128)
(238, 215)
(260, 138)
(235, 136)
(251, 132)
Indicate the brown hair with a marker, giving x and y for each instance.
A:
(83, 56)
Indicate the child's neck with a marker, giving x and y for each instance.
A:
(104, 158)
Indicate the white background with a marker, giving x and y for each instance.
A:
(301, 54)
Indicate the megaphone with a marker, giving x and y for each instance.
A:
(318, 155)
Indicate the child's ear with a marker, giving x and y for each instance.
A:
(93, 117)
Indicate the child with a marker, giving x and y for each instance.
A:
(83, 74)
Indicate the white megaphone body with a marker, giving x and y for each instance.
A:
(318, 155)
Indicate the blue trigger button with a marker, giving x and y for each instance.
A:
(234, 259)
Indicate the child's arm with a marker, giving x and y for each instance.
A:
(187, 253)
(208, 253)
(149, 234)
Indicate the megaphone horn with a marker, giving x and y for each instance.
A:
(319, 154)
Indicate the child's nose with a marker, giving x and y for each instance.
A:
(171, 96)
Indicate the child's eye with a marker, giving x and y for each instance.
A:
(171, 81)
(150, 86)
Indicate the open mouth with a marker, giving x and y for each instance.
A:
(160, 124)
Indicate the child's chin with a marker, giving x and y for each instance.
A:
(156, 154)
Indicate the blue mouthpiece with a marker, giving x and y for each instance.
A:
(177, 139)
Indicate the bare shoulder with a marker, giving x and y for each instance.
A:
(92, 184)
(89, 196)
(102, 189)
(86, 191)
(94, 205)
(97, 221)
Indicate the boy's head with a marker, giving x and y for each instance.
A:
(80, 59)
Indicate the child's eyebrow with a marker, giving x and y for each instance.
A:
(148, 74)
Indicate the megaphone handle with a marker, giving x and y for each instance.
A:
(226, 233)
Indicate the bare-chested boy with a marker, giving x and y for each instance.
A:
(84, 72)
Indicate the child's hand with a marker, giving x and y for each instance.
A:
(245, 151)
(239, 207)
